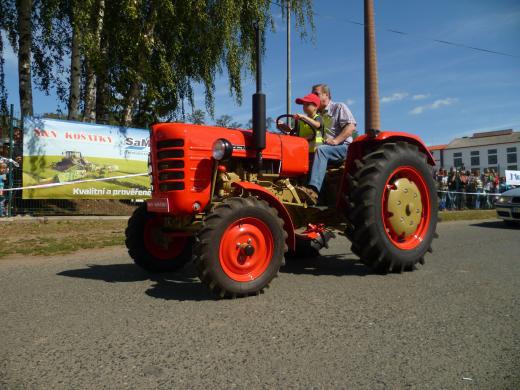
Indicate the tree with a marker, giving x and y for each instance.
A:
(24, 29)
(75, 64)
(269, 121)
(3, 91)
(197, 117)
(235, 125)
(224, 121)
(135, 61)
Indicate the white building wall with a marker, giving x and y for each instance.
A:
(502, 163)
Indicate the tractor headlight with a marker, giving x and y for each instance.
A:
(222, 149)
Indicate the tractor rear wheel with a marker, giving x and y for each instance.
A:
(240, 247)
(152, 248)
(392, 208)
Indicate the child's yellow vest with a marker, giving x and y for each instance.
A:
(305, 130)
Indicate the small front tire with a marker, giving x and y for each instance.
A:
(153, 249)
(240, 247)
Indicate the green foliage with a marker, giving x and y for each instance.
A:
(198, 117)
(224, 121)
(147, 54)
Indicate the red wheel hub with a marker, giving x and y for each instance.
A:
(406, 208)
(162, 245)
(246, 249)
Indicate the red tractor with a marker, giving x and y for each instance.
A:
(226, 198)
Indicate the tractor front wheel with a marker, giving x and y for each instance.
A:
(392, 208)
(152, 247)
(240, 247)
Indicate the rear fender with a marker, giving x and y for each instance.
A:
(364, 144)
(273, 201)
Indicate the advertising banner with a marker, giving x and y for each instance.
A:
(513, 178)
(78, 154)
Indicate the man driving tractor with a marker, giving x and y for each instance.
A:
(339, 125)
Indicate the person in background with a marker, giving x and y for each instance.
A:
(502, 187)
(3, 179)
(455, 189)
(444, 187)
(479, 188)
(488, 184)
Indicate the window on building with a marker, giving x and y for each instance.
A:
(511, 155)
(475, 158)
(457, 159)
(512, 167)
(492, 156)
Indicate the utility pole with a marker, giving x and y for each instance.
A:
(372, 120)
(288, 57)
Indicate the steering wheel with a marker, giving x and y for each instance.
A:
(285, 127)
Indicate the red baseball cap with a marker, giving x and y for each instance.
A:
(310, 98)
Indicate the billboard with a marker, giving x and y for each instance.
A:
(75, 160)
(513, 178)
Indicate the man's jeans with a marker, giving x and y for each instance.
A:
(323, 155)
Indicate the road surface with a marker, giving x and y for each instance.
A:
(93, 320)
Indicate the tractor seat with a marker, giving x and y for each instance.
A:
(335, 164)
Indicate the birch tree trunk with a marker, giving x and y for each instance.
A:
(131, 99)
(24, 8)
(102, 87)
(89, 99)
(142, 54)
(75, 72)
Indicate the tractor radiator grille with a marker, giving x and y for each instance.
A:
(170, 164)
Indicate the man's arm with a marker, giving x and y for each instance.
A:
(347, 122)
(346, 132)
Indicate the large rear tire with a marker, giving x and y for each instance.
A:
(151, 247)
(240, 247)
(392, 208)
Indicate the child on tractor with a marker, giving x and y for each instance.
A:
(310, 126)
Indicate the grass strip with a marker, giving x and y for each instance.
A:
(59, 237)
(45, 238)
(466, 215)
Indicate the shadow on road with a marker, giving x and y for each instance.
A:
(185, 285)
(182, 286)
(337, 265)
(497, 225)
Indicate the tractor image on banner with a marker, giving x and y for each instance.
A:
(77, 154)
(227, 198)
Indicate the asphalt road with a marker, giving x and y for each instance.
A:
(93, 320)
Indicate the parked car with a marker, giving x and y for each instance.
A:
(508, 206)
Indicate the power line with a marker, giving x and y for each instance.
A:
(442, 41)
(399, 32)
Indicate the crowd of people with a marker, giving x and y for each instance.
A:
(460, 189)
(6, 164)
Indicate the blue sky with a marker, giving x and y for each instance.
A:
(427, 88)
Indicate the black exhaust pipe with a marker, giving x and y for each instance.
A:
(259, 121)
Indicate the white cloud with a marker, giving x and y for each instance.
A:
(394, 97)
(420, 96)
(350, 102)
(433, 106)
